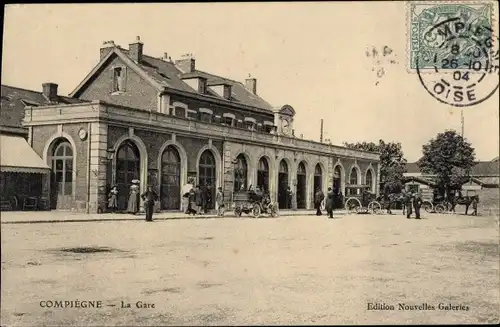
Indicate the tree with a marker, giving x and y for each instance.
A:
(392, 163)
(449, 157)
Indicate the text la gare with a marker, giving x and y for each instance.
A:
(138, 304)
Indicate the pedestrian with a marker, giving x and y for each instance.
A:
(289, 196)
(192, 209)
(417, 203)
(209, 196)
(149, 197)
(318, 198)
(219, 202)
(198, 199)
(186, 189)
(133, 199)
(113, 199)
(408, 204)
(330, 198)
(204, 198)
(475, 200)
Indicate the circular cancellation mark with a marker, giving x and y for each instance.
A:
(465, 65)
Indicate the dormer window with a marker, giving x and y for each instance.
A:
(206, 115)
(119, 79)
(179, 110)
(268, 126)
(239, 123)
(228, 119)
(250, 123)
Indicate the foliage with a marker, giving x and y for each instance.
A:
(392, 163)
(449, 157)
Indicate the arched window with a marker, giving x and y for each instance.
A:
(301, 169)
(318, 178)
(127, 169)
(283, 167)
(263, 174)
(353, 179)
(170, 179)
(62, 167)
(369, 179)
(206, 177)
(240, 173)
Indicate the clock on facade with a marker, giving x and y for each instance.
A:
(284, 126)
(82, 133)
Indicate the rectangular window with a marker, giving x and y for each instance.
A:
(205, 117)
(228, 121)
(118, 79)
(179, 112)
(249, 125)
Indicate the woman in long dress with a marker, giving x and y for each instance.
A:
(113, 199)
(133, 202)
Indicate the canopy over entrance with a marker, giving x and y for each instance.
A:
(17, 156)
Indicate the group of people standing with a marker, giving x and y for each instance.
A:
(197, 200)
(319, 196)
(150, 197)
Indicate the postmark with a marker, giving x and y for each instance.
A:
(454, 51)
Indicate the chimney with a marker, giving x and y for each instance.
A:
(50, 91)
(135, 50)
(251, 84)
(186, 64)
(107, 46)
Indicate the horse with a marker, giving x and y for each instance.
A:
(391, 198)
(462, 200)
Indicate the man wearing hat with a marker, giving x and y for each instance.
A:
(149, 197)
(408, 203)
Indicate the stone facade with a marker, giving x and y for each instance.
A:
(108, 126)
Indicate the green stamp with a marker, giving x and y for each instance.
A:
(447, 34)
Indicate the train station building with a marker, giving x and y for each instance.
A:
(162, 121)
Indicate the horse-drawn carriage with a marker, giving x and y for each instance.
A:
(361, 200)
(447, 205)
(249, 202)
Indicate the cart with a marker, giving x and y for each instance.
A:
(363, 201)
(248, 202)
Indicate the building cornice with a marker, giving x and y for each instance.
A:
(154, 121)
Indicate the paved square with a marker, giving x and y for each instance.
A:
(288, 270)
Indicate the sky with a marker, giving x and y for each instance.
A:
(316, 57)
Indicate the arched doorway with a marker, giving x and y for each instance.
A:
(127, 169)
(369, 180)
(353, 180)
(206, 176)
(170, 179)
(62, 175)
(337, 187)
(301, 186)
(318, 178)
(240, 173)
(263, 175)
(283, 199)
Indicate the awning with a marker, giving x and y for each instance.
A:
(17, 156)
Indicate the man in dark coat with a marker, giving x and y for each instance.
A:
(198, 199)
(318, 198)
(417, 203)
(330, 198)
(149, 197)
(408, 204)
(289, 196)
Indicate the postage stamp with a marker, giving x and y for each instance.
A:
(453, 48)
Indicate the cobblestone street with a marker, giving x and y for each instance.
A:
(287, 270)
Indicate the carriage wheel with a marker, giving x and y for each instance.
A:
(374, 207)
(352, 205)
(428, 207)
(256, 210)
(237, 211)
(440, 208)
